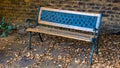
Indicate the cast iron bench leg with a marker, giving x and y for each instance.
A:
(40, 37)
(97, 46)
(91, 54)
(29, 44)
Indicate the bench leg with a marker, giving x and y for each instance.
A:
(91, 54)
(97, 42)
(40, 37)
(29, 44)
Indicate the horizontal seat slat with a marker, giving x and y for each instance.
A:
(62, 33)
(66, 26)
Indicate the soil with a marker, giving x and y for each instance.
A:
(57, 52)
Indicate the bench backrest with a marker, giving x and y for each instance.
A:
(69, 19)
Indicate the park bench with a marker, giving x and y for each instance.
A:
(73, 20)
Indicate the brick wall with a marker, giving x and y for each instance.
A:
(15, 11)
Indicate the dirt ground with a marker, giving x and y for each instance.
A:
(57, 52)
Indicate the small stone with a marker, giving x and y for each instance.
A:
(83, 61)
(78, 50)
(68, 60)
(54, 62)
(59, 65)
(17, 54)
(41, 55)
(14, 59)
(35, 49)
(59, 57)
(37, 56)
(49, 57)
(31, 56)
(9, 48)
(100, 53)
(3, 47)
(11, 58)
(28, 54)
(26, 67)
(77, 61)
(8, 61)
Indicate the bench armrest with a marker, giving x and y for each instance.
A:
(29, 22)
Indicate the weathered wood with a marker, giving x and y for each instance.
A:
(66, 26)
(63, 33)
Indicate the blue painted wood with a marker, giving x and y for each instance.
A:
(69, 19)
(98, 35)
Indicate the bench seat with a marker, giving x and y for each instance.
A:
(62, 33)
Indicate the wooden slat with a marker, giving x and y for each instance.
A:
(65, 26)
(63, 33)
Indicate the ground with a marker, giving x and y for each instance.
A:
(57, 52)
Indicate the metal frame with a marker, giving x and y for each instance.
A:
(95, 40)
(30, 35)
(96, 30)
(40, 37)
